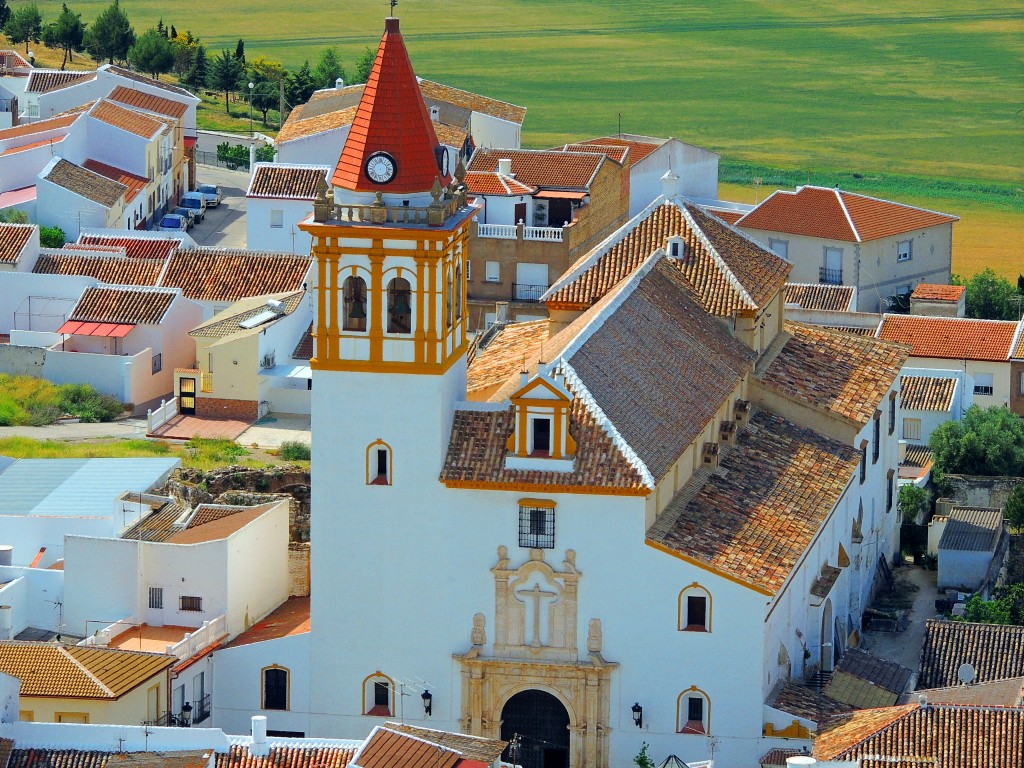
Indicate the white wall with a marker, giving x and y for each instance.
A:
(288, 237)
(319, 149)
(9, 688)
(58, 207)
(33, 594)
(38, 302)
(1000, 372)
(54, 102)
(502, 209)
(490, 131)
(696, 168)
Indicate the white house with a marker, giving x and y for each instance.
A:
(972, 549)
(280, 195)
(929, 398)
(19, 245)
(70, 196)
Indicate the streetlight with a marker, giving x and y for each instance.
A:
(251, 86)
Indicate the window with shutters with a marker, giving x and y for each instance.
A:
(156, 598)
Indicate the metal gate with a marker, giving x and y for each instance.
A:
(536, 726)
(187, 395)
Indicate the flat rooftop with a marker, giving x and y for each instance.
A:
(147, 638)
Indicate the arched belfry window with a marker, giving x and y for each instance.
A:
(458, 291)
(695, 609)
(448, 301)
(354, 297)
(399, 306)
(693, 711)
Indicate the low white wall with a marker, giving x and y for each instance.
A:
(32, 593)
(107, 373)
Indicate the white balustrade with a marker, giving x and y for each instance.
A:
(547, 234)
(163, 414)
(497, 231)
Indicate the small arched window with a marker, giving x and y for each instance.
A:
(378, 695)
(448, 301)
(458, 291)
(693, 712)
(399, 306)
(378, 463)
(694, 609)
(354, 296)
(275, 687)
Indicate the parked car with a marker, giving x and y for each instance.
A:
(188, 213)
(196, 202)
(212, 194)
(173, 222)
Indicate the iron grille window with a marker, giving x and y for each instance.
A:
(536, 527)
(381, 695)
(877, 438)
(696, 612)
(190, 603)
(695, 709)
(892, 414)
(158, 362)
(156, 597)
(863, 463)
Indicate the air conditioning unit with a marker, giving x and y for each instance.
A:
(267, 361)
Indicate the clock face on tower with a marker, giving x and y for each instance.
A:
(380, 167)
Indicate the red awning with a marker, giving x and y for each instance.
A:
(113, 330)
(558, 194)
(190, 141)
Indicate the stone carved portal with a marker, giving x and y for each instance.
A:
(535, 653)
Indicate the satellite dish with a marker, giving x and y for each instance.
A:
(966, 674)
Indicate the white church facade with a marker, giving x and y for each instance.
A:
(627, 524)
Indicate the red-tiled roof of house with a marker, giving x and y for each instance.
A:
(546, 168)
(1000, 693)
(134, 182)
(85, 183)
(13, 60)
(391, 118)
(836, 215)
(620, 154)
(288, 755)
(833, 298)
(934, 292)
(138, 77)
(1017, 353)
(995, 651)
(136, 306)
(33, 145)
(504, 354)
(134, 247)
(46, 757)
(493, 183)
(956, 736)
(776, 758)
(45, 80)
(451, 135)
(639, 146)
(727, 215)
(302, 122)
(148, 102)
(780, 482)
(475, 748)
(389, 749)
(223, 274)
(727, 270)
(919, 456)
(289, 618)
(433, 91)
(13, 239)
(286, 181)
(126, 119)
(28, 129)
(304, 349)
(845, 374)
(114, 269)
(864, 680)
(806, 702)
(950, 337)
(926, 393)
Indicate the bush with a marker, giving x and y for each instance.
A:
(293, 450)
(1014, 511)
(234, 157)
(27, 401)
(51, 237)
(989, 441)
(912, 502)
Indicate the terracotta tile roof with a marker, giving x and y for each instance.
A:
(157, 526)
(836, 215)
(926, 393)
(956, 736)
(950, 337)
(289, 618)
(505, 353)
(52, 124)
(851, 330)
(730, 217)
(134, 247)
(1000, 693)
(281, 180)
(137, 306)
(140, 78)
(974, 529)
(299, 125)
(866, 681)
(228, 322)
(550, 169)
(134, 183)
(13, 239)
(727, 270)
(216, 527)
(86, 183)
(45, 80)
(389, 749)
(221, 274)
(845, 374)
(933, 292)
(1018, 350)
(79, 758)
(804, 701)
(898, 762)
(46, 669)
(304, 349)
(776, 758)
(126, 119)
(451, 135)
(493, 183)
(433, 91)
(620, 154)
(148, 102)
(918, 456)
(284, 755)
(391, 117)
(471, 747)
(118, 270)
(639, 147)
(13, 60)
(33, 145)
(833, 298)
(995, 651)
(772, 493)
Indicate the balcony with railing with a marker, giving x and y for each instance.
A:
(830, 276)
(131, 635)
(520, 232)
(526, 292)
(201, 709)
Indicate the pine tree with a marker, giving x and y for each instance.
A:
(364, 66)
(225, 72)
(152, 53)
(174, 32)
(5, 13)
(328, 70)
(25, 25)
(65, 33)
(198, 72)
(111, 36)
(299, 85)
(240, 50)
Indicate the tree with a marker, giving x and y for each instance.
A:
(184, 51)
(152, 53)
(265, 75)
(65, 33)
(327, 71)
(224, 75)
(111, 36)
(989, 441)
(365, 65)
(299, 85)
(1005, 607)
(13, 216)
(989, 296)
(51, 237)
(240, 50)
(174, 32)
(1014, 511)
(643, 757)
(911, 502)
(5, 13)
(25, 25)
(199, 71)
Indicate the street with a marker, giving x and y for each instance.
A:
(224, 226)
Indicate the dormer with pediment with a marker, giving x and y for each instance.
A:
(540, 436)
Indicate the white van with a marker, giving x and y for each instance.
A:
(196, 202)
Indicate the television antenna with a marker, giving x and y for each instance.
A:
(406, 687)
(966, 674)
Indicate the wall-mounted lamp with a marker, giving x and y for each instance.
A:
(638, 715)
(428, 702)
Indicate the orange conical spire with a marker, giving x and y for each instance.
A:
(391, 146)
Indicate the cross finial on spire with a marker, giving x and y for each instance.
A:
(393, 4)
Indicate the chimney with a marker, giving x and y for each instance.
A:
(669, 184)
(6, 625)
(435, 113)
(902, 454)
(505, 166)
(259, 746)
(339, 83)
(500, 312)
